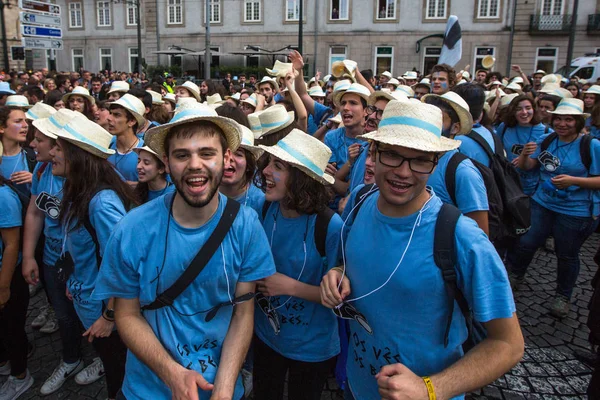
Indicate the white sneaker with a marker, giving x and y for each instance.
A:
(247, 382)
(91, 373)
(5, 369)
(13, 388)
(51, 324)
(41, 318)
(60, 375)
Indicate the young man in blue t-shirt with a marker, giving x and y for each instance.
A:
(198, 343)
(390, 278)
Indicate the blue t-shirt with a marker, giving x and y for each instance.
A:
(573, 200)
(319, 110)
(126, 164)
(153, 194)
(132, 267)
(471, 194)
(308, 330)
(514, 139)
(357, 175)
(16, 163)
(11, 216)
(472, 149)
(408, 315)
(338, 143)
(48, 190)
(595, 132)
(253, 198)
(105, 211)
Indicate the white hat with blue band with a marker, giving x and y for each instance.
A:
(88, 136)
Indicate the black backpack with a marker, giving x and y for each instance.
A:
(444, 255)
(321, 225)
(509, 214)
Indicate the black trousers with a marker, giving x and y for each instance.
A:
(113, 353)
(305, 382)
(13, 339)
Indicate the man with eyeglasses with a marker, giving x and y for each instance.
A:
(405, 339)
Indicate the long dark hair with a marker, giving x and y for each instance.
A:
(212, 89)
(510, 119)
(304, 194)
(88, 175)
(88, 112)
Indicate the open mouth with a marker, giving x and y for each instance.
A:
(399, 187)
(196, 184)
(369, 174)
(347, 117)
(270, 184)
(229, 172)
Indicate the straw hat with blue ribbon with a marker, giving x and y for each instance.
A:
(252, 100)
(190, 87)
(247, 142)
(156, 97)
(119, 86)
(54, 123)
(594, 89)
(304, 152)
(355, 88)
(254, 121)
(88, 136)
(555, 90)
(39, 110)
(188, 112)
(270, 81)
(386, 94)
(17, 100)
(413, 125)
(459, 105)
(570, 107)
(274, 119)
(132, 105)
(316, 91)
(79, 91)
(407, 90)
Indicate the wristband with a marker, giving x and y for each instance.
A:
(109, 320)
(430, 389)
(338, 268)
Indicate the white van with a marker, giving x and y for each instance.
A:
(586, 67)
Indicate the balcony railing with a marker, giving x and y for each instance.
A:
(550, 24)
(593, 27)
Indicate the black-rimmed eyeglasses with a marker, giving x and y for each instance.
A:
(394, 160)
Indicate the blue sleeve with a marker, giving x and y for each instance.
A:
(482, 275)
(35, 180)
(257, 258)
(471, 194)
(10, 217)
(332, 244)
(595, 155)
(106, 210)
(318, 111)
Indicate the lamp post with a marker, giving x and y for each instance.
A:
(137, 5)
(4, 40)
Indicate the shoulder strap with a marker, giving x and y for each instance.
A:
(30, 156)
(450, 178)
(361, 196)
(546, 142)
(585, 148)
(444, 255)
(265, 208)
(546, 129)
(482, 143)
(90, 228)
(167, 297)
(321, 225)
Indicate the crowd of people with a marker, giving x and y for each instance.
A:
(248, 235)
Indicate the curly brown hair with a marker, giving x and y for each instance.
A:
(304, 194)
(510, 118)
(447, 69)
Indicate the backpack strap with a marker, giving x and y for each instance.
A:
(585, 147)
(265, 208)
(444, 255)
(201, 259)
(31, 158)
(90, 228)
(546, 142)
(321, 225)
(482, 143)
(450, 178)
(361, 196)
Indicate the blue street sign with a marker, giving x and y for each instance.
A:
(40, 31)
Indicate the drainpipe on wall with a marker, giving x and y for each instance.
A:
(511, 39)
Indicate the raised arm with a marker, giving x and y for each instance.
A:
(301, 113)
(298, 65)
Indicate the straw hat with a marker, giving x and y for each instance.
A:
(79, 91)
(461, 82)
(280, 69)
(414, 125)
(570, 107)
(316, 91)
(192, 88)
(148, 149)
(254, 121)
(513, 86)
(119, 86)
(304, 152)
(235, 97)
(594, 89)
(393, 81)
(387, 73)
(337, 119)
(133, 105)
(156, 97)
(407, 90)
(466, 75)
(344, 69)
(492, 94)
(39, 110)
(583, 82)
(247, 142)
(504, 81)
(88, 136)
(424, 82)
(270, 81)
(496, 83)
(252, 100)
(54, 123)
(171, 98)
(342, 85)
(274, 119)
(326, 78)
(17, 100)
(214, 99)
(459, 105)
(188, 112)
(355, 88)
(506, 100)
(410, 75)
(555, 90)
(517, 79)
(395, 95)
(551, 78)
(539, 72)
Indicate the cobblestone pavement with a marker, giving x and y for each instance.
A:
(549, 369)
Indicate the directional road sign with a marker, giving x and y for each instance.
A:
(40, 31)
(39, 6)
(39, 19)
(34, 43)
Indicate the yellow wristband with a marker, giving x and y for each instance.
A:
(430, 389)
(338, 268)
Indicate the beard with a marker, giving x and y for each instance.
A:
(214, 179)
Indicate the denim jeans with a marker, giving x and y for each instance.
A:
(569, 234)
(68, 322)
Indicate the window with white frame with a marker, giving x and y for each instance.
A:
(480, 54)
(215, 11)
(292, 10)
(552, 7)
(436, 9)
(339, 9)
(103, 13)
(386, 9)
(75, 15)
(106, 59)
(488, 9)
(77, 59)
(175, 12)
(431, 58)
(384, 59)
(132, 13)
(252, 11)
(336, 53)
(546, 58)
(133, 58)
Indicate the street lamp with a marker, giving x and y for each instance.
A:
(4, 39)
